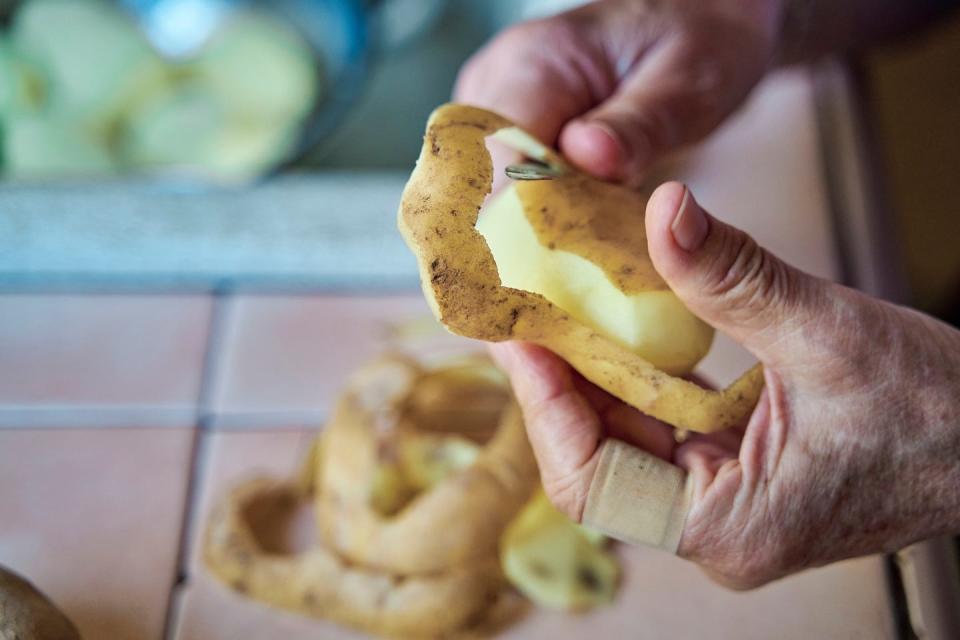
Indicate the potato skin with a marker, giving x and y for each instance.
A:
(320, 583)
(431, 571)
(27, 614)
(437, 218)
(471, 507)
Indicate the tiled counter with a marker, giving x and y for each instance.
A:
(123, 416)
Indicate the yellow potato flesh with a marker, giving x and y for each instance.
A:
(652, 324)
(555, 562)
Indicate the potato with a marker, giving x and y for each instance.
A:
(256, 45)
(555, 562)
(193, 128)
(41, 145)
(639, 312)
(575, 214)
(94, 58)
(22, 90)
(27, 614)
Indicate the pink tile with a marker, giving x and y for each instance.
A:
(661, 597)
(665, 597)
(102, 349)
(290, 354)
(726, 361)
(206, 610)
(93, 516)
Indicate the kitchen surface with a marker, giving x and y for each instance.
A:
(163, 338)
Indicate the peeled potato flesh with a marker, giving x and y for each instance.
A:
(319, 582)
(554, 562)
(416, 463)
(428, 459)
(653, 324)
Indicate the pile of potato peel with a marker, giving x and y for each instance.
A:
(424, 491)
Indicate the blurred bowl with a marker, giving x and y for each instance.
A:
(186, 87)
(338, 32)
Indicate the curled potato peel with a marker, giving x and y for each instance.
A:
(471, 506)
(320, 583)
(437, 218)
(413, 553)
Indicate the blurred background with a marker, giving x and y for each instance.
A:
(198, 243)
(200, 94)
(229, 90)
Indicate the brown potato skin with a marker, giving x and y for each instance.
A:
(431, 571)
(471, 507)
(437, 218)
(320, 583)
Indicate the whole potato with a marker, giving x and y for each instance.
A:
(27, 614)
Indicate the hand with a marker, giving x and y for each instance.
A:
(617, 83)
(854, 447)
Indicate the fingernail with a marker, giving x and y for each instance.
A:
(690, 225)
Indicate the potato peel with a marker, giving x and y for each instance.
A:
(319, 583)
(471, 506)
(437, 217)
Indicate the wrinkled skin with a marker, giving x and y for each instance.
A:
(854, 447)
(615, 84)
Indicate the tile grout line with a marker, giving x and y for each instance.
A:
(198, 460)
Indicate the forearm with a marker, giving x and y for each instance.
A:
(813, 28)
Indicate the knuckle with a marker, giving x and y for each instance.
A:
(746, 276)
(650, 127)
(738, 555)
(568, 494)
(530, 35)
(528, 44)
(656, 127)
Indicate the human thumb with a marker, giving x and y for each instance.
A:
(727, 279)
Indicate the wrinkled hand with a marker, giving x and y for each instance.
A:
(617, 83)
(854, 447)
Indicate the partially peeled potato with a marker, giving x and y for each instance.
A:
(593, 266)
(560, 262)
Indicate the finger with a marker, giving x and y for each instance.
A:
(564, 430)
(536, 74)
(724, 277)
(626, 423)
(678, 92)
